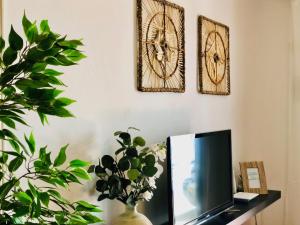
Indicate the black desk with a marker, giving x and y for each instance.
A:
(246, 210)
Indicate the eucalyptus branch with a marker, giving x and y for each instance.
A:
(127, 176)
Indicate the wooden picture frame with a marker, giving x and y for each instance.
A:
(161, 46)
(213, 57)
(254, 177)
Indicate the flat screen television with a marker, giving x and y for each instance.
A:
(199, 176)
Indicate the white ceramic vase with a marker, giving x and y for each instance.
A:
(131, 217)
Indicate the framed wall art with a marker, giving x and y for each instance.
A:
(253, 177)
(160, 63)
(213, 56)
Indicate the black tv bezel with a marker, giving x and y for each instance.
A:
(209, 214)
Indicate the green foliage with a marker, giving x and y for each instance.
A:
(130, 175)
(30, 82)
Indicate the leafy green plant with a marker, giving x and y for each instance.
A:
(29, 175)
(130, 175)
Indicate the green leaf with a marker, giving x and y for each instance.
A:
(132, 152)
(149, 171)
(70, 43)
(8, 122)
(1, 175)
(74, 55)
(61, 112)
(91, 219)
(62, 102)
(59, 181)
(65, 61)
(26, 23)
(53, 61)
(44, 26)
(23, 197)
(135, 163)
(91, 169)
(102, 197)
(42, 153)
(107, 161)
(120, 150)
(37, 209)
(102, 185)
(150, 160)
(133, 128)
(14, 145)
(85, 206)
(124, 164)
(6, 187)
(44, 196)
(8, 133)
(117, 133)
(9, 56)
(61, 158)
(30, 142)
(52, 72)
(15, 41)
(23, 84)
(15, 164)
(81, 173)
(19, 120)
(79, 163)
(133, 174)
(42, 117)
(32, 189)
(139, 141)
(125, 137)
(47, 43)
(3, 157)
(2, 44)
(32, 33)
(8, 91)
(38, 67)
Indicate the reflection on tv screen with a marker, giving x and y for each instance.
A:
(201, 174)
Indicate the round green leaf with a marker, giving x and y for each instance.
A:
(150, 160)
(101, 185)
(107, 161)
(139, 141)
(135, 163)
(125, 137)
(149, 171)
(124, 164)
(131, 152)
(133, 174)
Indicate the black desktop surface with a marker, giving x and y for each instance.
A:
(242, 211)
(246, 210)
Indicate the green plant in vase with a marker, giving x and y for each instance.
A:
(129, 176)
(30, 177)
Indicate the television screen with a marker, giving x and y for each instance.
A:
(199, 176)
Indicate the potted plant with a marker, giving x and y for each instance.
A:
(129, 176)
(29, 176)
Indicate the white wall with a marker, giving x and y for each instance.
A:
(104, 83)
(293, 183)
